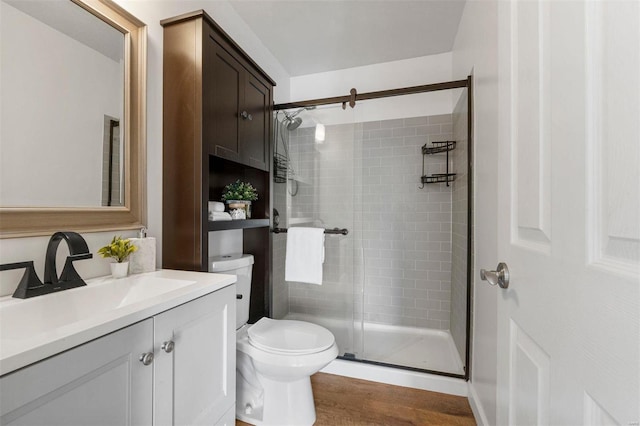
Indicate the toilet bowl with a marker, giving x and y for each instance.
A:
(274, 358)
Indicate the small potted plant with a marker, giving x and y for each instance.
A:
(119, 249)
(238, 196)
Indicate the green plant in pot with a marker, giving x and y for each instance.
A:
(119, 249)
(238, 196)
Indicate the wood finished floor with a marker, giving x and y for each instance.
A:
(343, 401)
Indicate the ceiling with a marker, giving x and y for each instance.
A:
(310, 36)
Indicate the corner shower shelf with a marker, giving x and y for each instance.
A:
(439, 178)
(438, 148)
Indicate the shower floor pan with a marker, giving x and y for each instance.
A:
(422, 348)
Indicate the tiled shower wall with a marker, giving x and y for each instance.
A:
(405, 230)
(324, 197)
(366, 177)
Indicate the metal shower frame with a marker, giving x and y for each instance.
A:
(351, 100)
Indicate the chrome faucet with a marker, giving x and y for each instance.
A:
(30, 285)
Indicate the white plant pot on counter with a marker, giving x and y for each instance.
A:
(119, 270)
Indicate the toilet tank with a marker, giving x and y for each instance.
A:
(240, 265)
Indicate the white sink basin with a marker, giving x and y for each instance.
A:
(46, 314)
(35, 328)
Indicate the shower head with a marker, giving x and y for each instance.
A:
(291, 121)
(294, 124)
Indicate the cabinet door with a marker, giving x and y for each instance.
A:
(195, 382)
(99, 383)
(222, 81)
(255, 124)
(228, 418)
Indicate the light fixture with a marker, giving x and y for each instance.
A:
(319, 133)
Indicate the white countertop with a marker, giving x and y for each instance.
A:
(36, 328)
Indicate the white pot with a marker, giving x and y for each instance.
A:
(119, 270)
(239, 209)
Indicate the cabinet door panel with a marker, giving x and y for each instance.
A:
(255, 131)
(221, 101)
(195, 383)
(228, 418)
(99, 383)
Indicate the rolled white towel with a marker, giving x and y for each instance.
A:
(216, 206)
(219, 216)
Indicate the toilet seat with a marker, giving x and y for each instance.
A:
(289, 337)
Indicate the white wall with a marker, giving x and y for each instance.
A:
(371, 78)
(475, 50)
(151, 12)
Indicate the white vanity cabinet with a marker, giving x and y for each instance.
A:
(195, 363)
(104, 382)
(99, 383)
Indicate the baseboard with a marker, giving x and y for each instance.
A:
(398, 377)
(476, 407)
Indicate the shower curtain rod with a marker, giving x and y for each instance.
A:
(457, 84)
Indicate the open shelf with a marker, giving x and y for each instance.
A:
(223, 225)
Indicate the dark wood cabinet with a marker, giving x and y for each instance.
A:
(237, 106)
(256, 124)
(221, 102)
(217, 109)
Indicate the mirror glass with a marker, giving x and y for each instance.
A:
(62, 113)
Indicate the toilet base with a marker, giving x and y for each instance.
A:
(274, 389)
(284, 403)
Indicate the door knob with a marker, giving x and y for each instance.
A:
(500, 276)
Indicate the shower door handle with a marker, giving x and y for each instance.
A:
(500, 276)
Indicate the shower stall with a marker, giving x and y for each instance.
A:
(387, 174)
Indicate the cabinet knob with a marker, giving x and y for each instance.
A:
(168, 346)
(146, 358)
(246, 116)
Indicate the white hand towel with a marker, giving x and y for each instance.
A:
(305, 255)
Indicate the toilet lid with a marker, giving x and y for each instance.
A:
(290, 337)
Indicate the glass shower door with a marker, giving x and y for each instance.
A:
(316, 149)
(395, 289)
(412, 214)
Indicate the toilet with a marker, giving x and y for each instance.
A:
(274, 358)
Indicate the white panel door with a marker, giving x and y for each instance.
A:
(569, 212)
(99, 383)
(195, 380)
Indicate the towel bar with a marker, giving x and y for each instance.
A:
(343, 231)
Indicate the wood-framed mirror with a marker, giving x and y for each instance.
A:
(32, 173)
